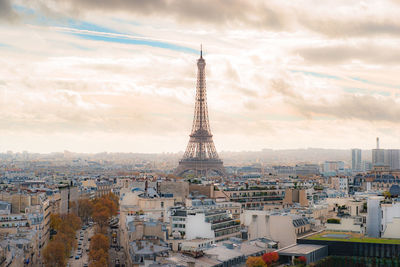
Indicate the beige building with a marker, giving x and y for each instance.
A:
(35, 217)
(135, 228)
(103, 188)
(19, 201)
(140, 202)
(68, 194)
(293, 195)
(55, 202)
(255, 198)
(20, 249)
(179, 189)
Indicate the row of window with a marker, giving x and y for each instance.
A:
(7, 219)
(178, 225)
(11, 225)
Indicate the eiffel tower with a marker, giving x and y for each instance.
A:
(200, 156)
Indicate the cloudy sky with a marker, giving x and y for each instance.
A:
(100, 75)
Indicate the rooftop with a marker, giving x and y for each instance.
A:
(349, 237)
(300, 249)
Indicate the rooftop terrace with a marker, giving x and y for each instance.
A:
(349, 237)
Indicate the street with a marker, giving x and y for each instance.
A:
(116, 254)
(85, 243)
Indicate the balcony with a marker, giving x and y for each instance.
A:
(225, 225)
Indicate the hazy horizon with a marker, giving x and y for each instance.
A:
(181, 151)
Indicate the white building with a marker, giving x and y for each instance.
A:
(203, 222)
(340, 183)
(280, 227)
(390, 222)
(349, 224)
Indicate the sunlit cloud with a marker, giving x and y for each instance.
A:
(121, 75)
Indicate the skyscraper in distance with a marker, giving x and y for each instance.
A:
(356, 159)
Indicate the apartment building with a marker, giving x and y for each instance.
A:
(255, 197)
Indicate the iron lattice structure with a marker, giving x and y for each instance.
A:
(200, 155)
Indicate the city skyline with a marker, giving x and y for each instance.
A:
(90, 76)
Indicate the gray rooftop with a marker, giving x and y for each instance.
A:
(300, 249)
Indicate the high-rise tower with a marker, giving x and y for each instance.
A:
(200, 155)
(356, 159)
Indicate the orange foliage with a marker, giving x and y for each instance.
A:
(255, 262)
(270, 257)
(54, 254)
(60, 246)
(99, 241)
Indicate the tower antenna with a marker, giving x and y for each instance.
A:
(201, 50)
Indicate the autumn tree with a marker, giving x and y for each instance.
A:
(255, 262)
(114, 198)
(97, 255)
(101, 218)
(99, 245)
(99, 263)
(73, 220)
(54, 254)
(102, 209)
(68, 241)
(73, 207)
(387, 195)
(99, 241)
(55, 221)
(270, 257)
(85, 209)
(300, 260)
(62, 243)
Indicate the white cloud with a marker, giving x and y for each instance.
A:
(268, 85)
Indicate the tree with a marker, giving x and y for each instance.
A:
(85, 209)
(99, 241)
(67, 240)
(73, 220)
(55, 221)
(300, 260)
(101, 218)
(387, 195)
(99, 263)
(54, 255)
(73, 207)
(275, 256)
(333, 220)
(255, 262)
(270, 257)
(97, 255)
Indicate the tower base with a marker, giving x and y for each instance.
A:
(200, 167)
